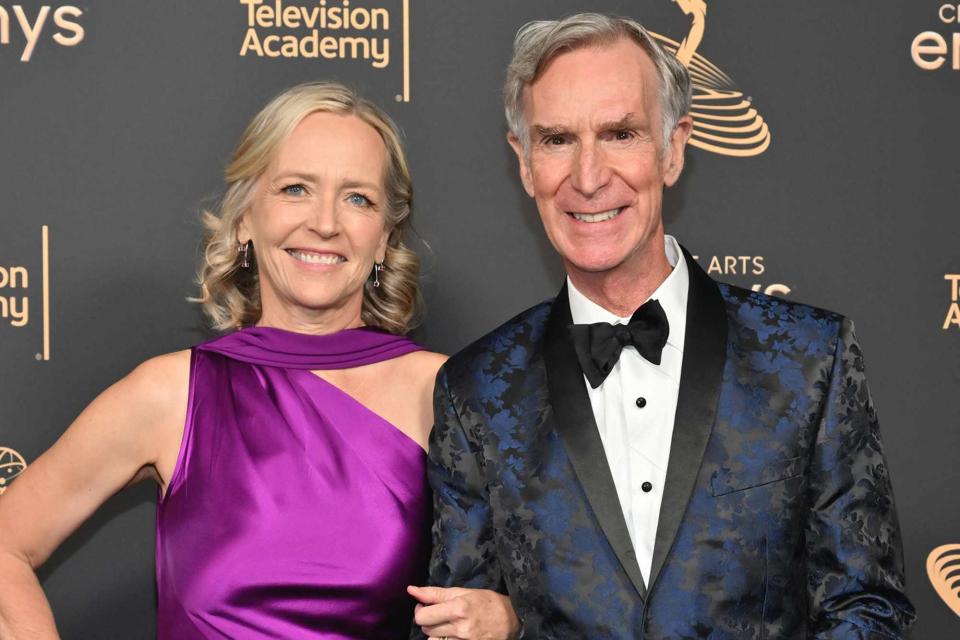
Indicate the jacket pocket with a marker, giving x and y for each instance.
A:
(725, 480)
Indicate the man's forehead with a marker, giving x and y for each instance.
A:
(624, 46)
(602, 108)
(596, 83)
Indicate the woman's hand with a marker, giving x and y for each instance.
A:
(464, 614)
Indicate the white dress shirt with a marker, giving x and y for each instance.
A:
(636, 439)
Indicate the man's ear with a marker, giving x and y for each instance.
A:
(525, 176)
(673, 159)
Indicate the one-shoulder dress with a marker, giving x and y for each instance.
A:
(293, 511)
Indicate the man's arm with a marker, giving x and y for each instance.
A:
(464, 549)
(855, 579)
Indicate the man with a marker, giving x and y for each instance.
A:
(651, 454)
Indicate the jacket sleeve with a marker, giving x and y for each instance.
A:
(464, 551)
(855, 575)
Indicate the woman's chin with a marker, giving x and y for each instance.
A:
(317, 306)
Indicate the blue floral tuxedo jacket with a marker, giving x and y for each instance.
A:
(777, 519)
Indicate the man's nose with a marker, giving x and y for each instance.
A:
(590, 173)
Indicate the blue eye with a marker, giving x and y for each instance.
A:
(294, 190)
(359, 200)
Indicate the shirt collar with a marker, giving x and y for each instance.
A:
(672, 295)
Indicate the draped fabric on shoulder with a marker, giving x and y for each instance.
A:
(294, 511)
(289, 350)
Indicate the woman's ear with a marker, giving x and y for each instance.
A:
(382, 246)
(243, 233)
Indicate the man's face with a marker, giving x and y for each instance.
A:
(594, 163)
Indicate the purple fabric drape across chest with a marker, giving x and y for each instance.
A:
(293, 511)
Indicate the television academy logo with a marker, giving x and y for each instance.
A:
(327, 29)
(953, 311)
(12, 465)
(943, 569)
(15, 308)
(930, 49)
(69, 32)
(17, 305)
(724, 120)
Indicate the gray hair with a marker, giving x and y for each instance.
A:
(538, 42)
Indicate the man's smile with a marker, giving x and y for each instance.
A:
(601, 216)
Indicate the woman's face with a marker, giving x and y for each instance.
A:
(317, 223)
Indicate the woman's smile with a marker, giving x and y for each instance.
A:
(316, 258)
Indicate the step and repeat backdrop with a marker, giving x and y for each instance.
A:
(823, 168)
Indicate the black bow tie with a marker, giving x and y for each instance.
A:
(599, 345)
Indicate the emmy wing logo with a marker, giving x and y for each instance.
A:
(943, 569)
(724, 120)
(12, 465)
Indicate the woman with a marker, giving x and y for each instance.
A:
(289, 454)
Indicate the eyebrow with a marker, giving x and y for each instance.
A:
(542, 130)
(296, 175)
(628, 121)
(310, 177)
(360, 184)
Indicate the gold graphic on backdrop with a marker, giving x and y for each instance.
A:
(943, 569)
(19, 27)
(15, 294)
(14, 303)
(953, 311)
(328, 30)
(724, 120)
(930, 50)
(12, 464)
(743, 266)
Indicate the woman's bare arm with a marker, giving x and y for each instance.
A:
(131, 431)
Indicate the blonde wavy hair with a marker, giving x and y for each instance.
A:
(230, 295)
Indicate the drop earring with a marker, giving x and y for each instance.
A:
(377, 268)
(244, 250)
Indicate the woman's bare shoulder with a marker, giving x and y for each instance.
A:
(416, 373)
(153, 400)
(159, 385)
(424, 364)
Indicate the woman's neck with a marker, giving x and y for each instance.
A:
(311, 321)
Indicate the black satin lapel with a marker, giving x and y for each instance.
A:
(704, 356)
(577, 428)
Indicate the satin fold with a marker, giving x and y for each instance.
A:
(294, 511)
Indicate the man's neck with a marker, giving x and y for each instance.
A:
(623, 289)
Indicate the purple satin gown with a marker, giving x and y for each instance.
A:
(293, 511)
